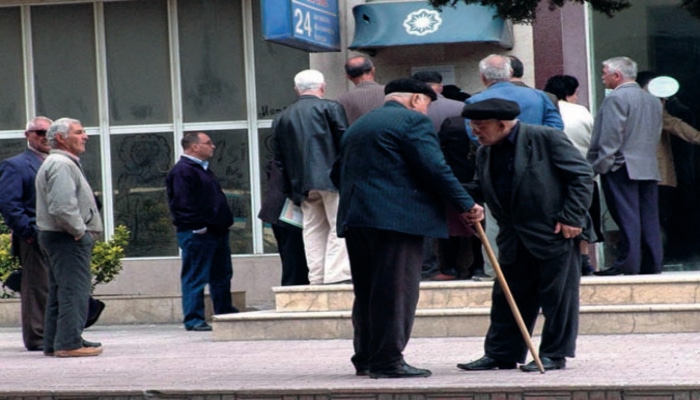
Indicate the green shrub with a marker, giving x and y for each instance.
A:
(106, 261)
(107, 257)
(8, 262)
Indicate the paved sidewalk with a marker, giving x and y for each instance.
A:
(167, 359)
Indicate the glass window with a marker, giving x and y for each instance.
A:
(138, 64)
(230, 165)
(211, 58)
(12, 110)
(664, 38)
(11, 147)
(64, 62)
(91, 161)
(140, 164)
(266, 154)
(275, 67)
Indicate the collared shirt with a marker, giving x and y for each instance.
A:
(502, 166)
(204, 164)
(37, 152)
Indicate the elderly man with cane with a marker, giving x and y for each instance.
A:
(539, 188)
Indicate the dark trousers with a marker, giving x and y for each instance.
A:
(206, 259)
(634, 206)
(431, 264)
(461, 255)
(553, 286)
(70, 283)
(386, 273)
(34, 292)
(290, 244)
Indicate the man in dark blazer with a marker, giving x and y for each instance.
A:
(394, 184)
(538, 187)
(18, 207)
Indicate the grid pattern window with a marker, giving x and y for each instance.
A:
(64, 63)
(212, 61)
(12, 101)
(138, 67)
(139, 73)
(276, 66)
(140, 163)
(662, 38)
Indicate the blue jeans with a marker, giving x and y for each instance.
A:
(206, 258)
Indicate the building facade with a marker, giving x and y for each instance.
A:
(140, 73)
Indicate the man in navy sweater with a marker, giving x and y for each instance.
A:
(202, 216)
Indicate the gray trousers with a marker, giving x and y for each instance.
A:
(69, 288)
(35, 290)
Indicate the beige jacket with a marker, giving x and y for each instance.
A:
(65, 201)
(672, 126)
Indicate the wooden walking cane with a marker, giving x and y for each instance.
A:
(509, 296)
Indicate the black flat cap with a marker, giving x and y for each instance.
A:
(500, 109)
(428, 76)
(408, 85)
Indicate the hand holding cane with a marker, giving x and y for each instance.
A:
(509, 296)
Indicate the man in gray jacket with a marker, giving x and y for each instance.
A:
(68, 222)
(623, 151)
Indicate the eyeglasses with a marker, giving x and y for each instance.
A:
(39, 132)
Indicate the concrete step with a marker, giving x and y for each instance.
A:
(452, 322)
(128, 309)
(668, 288)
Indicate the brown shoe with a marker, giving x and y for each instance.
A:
(81, 352)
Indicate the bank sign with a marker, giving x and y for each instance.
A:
(310, 25)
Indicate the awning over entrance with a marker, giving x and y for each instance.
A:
(384, 24)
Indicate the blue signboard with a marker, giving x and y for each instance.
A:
(310, 25)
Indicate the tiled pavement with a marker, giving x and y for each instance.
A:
(165, 361)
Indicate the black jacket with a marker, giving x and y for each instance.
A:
(307, 140)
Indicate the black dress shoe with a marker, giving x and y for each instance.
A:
(608, 272)
(39, 347)
(548, 364)
(361, 372)
(404, 371)
(87, 343)
(95, 310)
(486, 363)
(202, 327)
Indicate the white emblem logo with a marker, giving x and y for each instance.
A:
(422, 22)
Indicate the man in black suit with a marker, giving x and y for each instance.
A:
(394, 184)
(538, 187)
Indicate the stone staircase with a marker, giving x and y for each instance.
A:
(609, 305)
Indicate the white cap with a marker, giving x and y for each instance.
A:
(663, 86)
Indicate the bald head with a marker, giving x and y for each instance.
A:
(495, 68)
(359, 69)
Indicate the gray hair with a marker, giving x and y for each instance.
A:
(32, 122)
(624, 65)
(495, 68)
(308, 79)
(60, 127)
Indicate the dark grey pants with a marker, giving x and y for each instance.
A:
(35, 290)
(386, 268)
(69, 289)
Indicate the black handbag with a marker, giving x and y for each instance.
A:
(14, 280)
